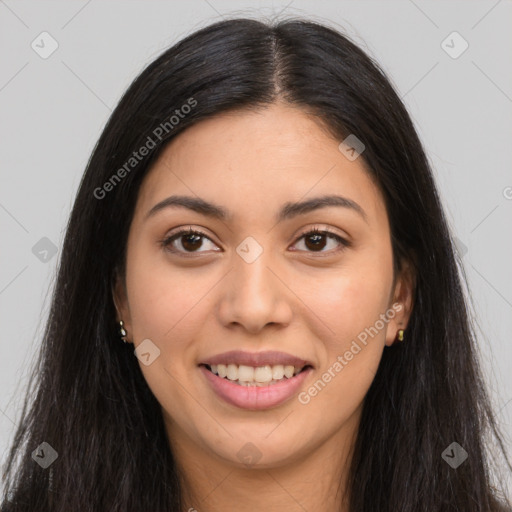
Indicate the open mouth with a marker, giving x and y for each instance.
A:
(255, 376)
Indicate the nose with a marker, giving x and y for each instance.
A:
(255, 295)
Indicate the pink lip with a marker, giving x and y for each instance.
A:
(256, 359)
(254, 397)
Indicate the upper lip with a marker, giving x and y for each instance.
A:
(271, 358)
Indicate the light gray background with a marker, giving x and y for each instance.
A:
(53, 110)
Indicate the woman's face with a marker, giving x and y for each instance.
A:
(256, 291)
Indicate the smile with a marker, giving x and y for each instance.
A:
(255, 388)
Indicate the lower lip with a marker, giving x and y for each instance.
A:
(255, 398)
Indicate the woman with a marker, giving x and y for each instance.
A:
(258, 302)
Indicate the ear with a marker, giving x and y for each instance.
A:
(402, 301)
(120, 298)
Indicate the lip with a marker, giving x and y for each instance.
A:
(269, 357)
(253, 397)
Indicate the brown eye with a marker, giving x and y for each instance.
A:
(190, 241)
(316, 240)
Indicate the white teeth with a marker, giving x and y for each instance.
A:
(278, 372)
(246, 373)
(222, 370)
(232, 372)
(288, 371)
(262, 374)
(251, 376)
(256, 384)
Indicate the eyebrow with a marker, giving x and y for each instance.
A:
(288, 211)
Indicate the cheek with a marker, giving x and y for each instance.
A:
(163, 298)
(352, 352)
(164, 306)
(349, 301)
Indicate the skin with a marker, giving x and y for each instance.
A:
(306, 302)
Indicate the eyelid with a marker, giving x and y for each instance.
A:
(175, 234)
(322, 230)
(344, 241)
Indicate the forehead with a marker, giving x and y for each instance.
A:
(252, 162)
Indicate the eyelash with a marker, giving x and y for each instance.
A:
(167, 241)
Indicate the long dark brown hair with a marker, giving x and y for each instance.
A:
(88, 398)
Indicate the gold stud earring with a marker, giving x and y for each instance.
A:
(400, 335)
(122, 331)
